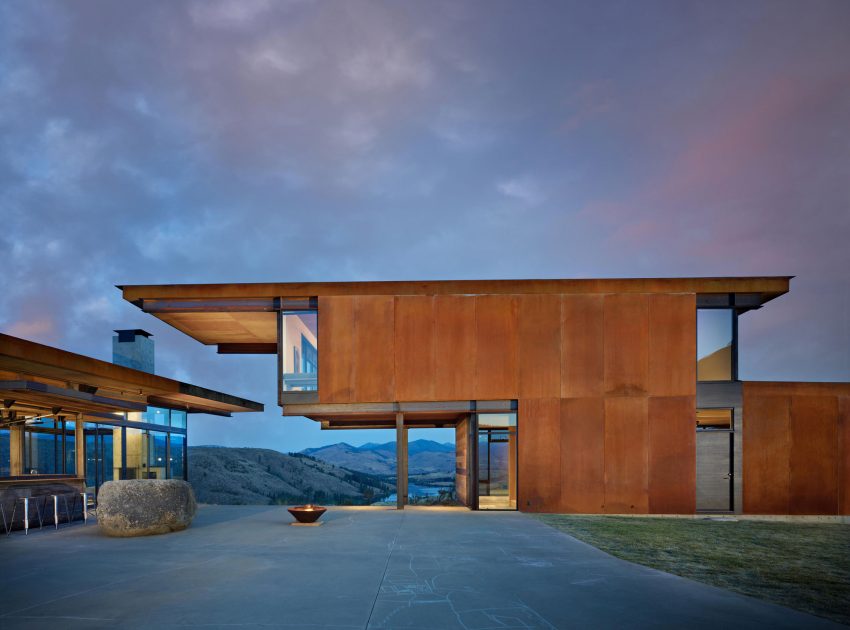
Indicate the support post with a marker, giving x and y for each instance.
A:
(16, 450)
(80, 446)
(401, 461)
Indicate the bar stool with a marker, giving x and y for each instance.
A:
(64, 498)
(26, 502)
(85, 500)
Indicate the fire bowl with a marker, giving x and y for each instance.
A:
(307, 513)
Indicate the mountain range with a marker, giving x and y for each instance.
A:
(424, 457)
(252, 476)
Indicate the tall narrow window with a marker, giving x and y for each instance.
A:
(5, 452)
(299, 351)
(716, 344)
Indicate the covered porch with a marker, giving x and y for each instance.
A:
(485, 441)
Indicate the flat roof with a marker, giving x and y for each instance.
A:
(242, 317)
(39, 376)
(770, 286)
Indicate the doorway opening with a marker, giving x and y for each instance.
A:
(715, 448)
(496, 466)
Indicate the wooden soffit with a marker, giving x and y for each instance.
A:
(22, 360)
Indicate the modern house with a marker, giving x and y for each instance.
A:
(582, 396)
(71, 420)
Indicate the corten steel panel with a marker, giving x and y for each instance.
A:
(844, 453)
(497, 347)
(672, 455)
(672, 344)
(539, 442)
(767, 453)
(374, 353)
(582, 346)
(414, 348)
(583, 455)
(336, 349)
(626, 323)
(626, 454)
(539, 346)
(814, 455)
(454, 332)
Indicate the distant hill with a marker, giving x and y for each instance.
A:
(424, 457)
(251, 476)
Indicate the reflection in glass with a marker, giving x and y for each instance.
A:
(497, 457)
(99, 454)
(299, 350)
(178, 419)
(155, 415)
(70, 450)
(49, 447)
(714, 419)
(157, 458)
(715, 347)
(5, 453)
(176, 461)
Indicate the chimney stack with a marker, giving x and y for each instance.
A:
(133, 349)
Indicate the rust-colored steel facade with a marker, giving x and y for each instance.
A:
(602, 372)
(605, 383)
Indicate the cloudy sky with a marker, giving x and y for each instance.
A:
(252, 140)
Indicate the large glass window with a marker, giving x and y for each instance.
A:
(100, 453)
(716, 344)
(157, 456)
(156, 415)
(177, 463)
(497, 461)
(5, 453)
(49, 447)
(299, 360)
(178, 419)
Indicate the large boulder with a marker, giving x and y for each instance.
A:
(141, 507)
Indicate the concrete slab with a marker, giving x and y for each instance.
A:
(440, 569)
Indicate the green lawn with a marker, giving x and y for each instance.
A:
(800, 565)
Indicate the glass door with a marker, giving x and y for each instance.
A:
(496, 468)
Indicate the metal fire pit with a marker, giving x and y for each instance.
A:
(307, 514)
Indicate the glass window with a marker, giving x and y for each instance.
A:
(70, 448)
(178, 419)
(299, 350)
(156, 415)
(714, 419)
(715, 344)
(157, 457)
(101, 442)
(5, 453)
(42, 449)
(497, 461)
(176, 461)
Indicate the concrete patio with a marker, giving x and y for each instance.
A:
(364, 568)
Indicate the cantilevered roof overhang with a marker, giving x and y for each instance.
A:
(243, 317)
(35, 377)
